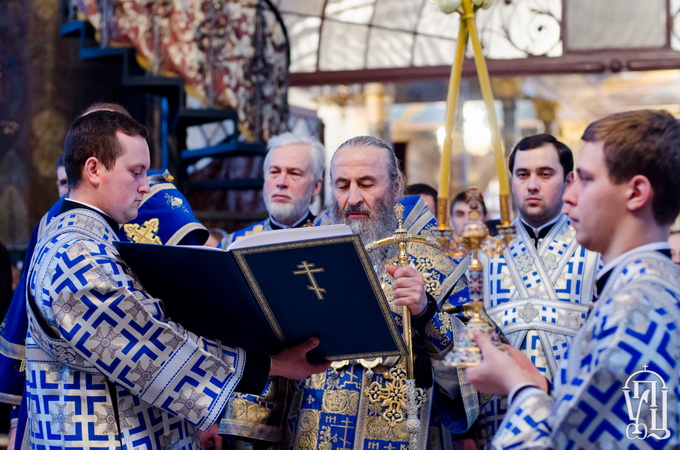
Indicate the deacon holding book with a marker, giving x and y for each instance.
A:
(164, 217)
(104, 365)
(293, 176)
(617, 386)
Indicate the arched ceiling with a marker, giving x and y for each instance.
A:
(334, 41)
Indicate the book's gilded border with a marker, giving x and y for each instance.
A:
(239, 255)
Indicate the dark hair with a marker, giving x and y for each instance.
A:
(539, 140)
(424, 189)
(462, 197)
(60, 161)
(393, 172)
(644, 142)
(421, 188)
(94, 134)
(103, 106)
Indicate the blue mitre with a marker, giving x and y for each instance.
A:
(165, 216)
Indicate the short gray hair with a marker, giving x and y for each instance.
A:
(286, 139)
(395, 175)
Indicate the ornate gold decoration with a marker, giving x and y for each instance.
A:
(126, 412)
(64, 307)
(368, 364)
(393, 396)
(101, 279)
(89, 224)
(256, 229)
(61, 372)
(475, 237)
(48, 127)
(175, 339)
(432, 284)
(147, 233)
(135, 309)
(144, 374)
(310, 269)
(61, 418)
(340, 402)
(105, 343)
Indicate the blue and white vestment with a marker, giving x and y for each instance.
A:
(631, 335)
(104, 366)
(539, 298)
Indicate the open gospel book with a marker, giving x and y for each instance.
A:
(274, 289)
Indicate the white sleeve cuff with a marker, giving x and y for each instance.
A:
(520, 387)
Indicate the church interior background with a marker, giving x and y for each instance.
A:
(218, 77)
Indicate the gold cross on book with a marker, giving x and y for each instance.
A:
(309, 270)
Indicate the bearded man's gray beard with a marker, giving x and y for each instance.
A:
(289, 213)
(380, 223)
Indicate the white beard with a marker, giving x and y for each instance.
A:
(380, 223)
(289, 213)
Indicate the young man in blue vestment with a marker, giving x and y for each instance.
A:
(538, 290)
(105, 366)
(618, 385)
(164, 217)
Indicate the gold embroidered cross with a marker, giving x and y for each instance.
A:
(393, 395)
(145, 233)
(309, 270)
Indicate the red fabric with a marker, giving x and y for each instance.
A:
(184, 29)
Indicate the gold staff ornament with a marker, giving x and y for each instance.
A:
(415, 395)
(473, 239)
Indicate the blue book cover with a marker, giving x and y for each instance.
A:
(268, 297)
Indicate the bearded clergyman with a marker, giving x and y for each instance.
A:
(361, 404)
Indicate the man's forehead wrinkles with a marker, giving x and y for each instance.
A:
(285, 166)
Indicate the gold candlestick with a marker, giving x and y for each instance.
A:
(474, 238)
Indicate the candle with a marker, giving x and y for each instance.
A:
(485, 85)
(467, 29)
(449, 122)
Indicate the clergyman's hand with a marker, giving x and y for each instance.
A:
(409, 288)
(498, 373)
(527, 367)
(210, 439)
(11, 437)
(292, 362)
